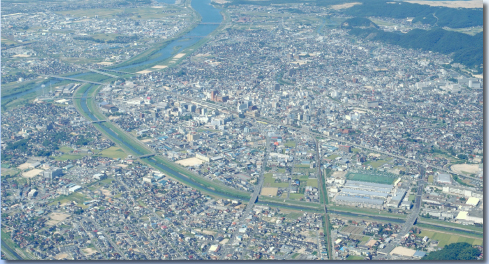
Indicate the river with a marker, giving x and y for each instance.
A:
(207, 12)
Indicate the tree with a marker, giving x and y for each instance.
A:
(454, 251)
(462, 156)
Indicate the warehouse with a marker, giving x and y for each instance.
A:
(353, 192)
(360, 201)
(444, 178)
(368, 186)
(397, 197)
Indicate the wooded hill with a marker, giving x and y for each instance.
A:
(464, 49)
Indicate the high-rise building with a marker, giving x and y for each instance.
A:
(214, 95)
(191, 137)
(53, 172)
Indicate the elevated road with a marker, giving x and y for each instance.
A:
(411, 219)
(324, 197)
(103, 73)
(74, 79)
(251, 202)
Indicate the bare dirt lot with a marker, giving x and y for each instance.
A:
(190, 162)
(56, 218)
(179, 55)
(106, 192)
(143, 72)
(338, 174)
(8, 171)
(159, 66)
(344, 6)
(452, 4)
(208, 232)
(32, 173)
(269, 191)
(24, 166)
(466, 168)
(61, 256)
(89, 251)
(105, 63)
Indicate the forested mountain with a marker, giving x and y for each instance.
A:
(465, 49)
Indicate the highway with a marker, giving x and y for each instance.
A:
(411, 219)
(251, 203)
(324, 197)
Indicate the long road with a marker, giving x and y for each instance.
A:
(251, 202)
(410, 220)
(324, 197)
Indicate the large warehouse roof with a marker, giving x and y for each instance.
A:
(473, 201)
(363, 193)
(370, 185)
(353, 199)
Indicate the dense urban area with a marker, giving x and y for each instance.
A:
(241, 130)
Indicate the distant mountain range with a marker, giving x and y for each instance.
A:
(464, 49)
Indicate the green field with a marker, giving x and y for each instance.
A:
(364, 239)
(312, 182)
(65, 157)
(371, 178)
(290, 144)
(412, 197)
(306, 205)
(332, 157)
(270, 182)
(372, 212)
(354, 257)
(77, 197)
(454, 225)
(268, 178)
(430, 179)
(65, 149)
(279, 185)
(378, 163)
(294, 215)
(446, 239)
(113, 152)
(107, 181)
(296, 196)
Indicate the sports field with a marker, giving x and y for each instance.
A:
(446, 238)
(371, 178)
